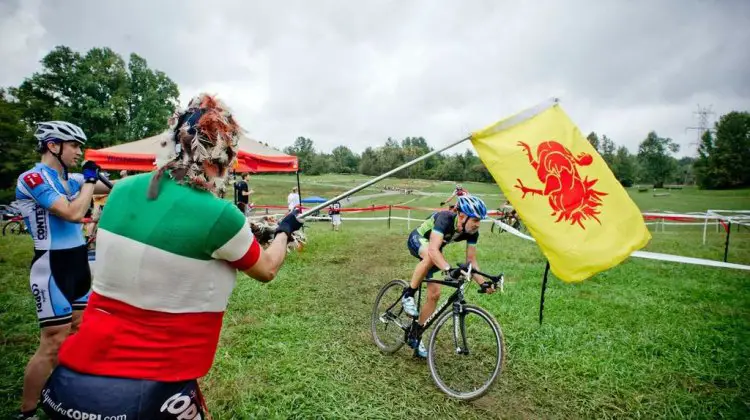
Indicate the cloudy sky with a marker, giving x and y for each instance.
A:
(357, 72)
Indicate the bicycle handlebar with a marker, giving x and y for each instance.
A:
(466, 269)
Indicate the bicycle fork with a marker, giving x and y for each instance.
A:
(459, 329)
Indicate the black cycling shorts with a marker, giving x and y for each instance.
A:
(60, 282)
(72, 395)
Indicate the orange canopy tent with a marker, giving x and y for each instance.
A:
(140, 155)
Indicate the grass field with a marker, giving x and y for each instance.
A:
(646, 339)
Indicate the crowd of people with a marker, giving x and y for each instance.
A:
(131, 339)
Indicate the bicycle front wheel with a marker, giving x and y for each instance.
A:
(389, 321)
(466, 352)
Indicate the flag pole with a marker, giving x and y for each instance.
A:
(504, 125)
(380, 178)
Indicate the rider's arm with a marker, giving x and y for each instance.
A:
(43, 193)
(99, 188)
(471, 257)
(75, 210)
(433, 250)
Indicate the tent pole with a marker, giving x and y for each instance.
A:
(299, 190)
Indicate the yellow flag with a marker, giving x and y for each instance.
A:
(581, 217)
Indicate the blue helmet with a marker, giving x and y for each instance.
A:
(472, 207)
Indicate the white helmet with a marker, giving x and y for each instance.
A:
(58, 131)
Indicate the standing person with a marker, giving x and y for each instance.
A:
(53, 203)
(334, 210)
(242, 193)
(168, 253)
(292, 199)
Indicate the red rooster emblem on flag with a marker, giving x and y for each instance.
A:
(571, 197)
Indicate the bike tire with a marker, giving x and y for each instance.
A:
(376, 321)
(500, 343)
(16, 228)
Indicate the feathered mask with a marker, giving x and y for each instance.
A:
(204, 135)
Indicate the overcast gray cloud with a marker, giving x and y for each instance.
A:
(355, 72)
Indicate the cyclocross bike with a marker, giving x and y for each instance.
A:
(466, 349)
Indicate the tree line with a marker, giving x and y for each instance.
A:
(118, 101)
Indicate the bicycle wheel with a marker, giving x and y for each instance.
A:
(13, 228)
(465, 370)
(389, 321)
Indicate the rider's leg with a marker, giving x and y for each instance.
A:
(433, 295)
(42, 363)
(420, 272)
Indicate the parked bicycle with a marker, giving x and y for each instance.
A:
(15, 226)
(466, 349)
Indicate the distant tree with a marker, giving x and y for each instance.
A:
(594, 140)
(724, 159)
(654, 157)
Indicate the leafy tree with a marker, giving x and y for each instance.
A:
(654, 156)
(724, 159)
(304, 149)
(112, 102)
(594, 140)
(17, 145)
(624, 167)
(607, 150)
(344, 160)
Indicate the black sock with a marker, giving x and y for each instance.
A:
(409, 292)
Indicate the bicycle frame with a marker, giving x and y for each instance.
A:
(456, 300)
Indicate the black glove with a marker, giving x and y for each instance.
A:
(90, 172)
(289, 224)
(442, 203)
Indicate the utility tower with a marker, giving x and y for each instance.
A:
(703, 125)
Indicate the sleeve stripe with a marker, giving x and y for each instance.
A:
(249, 259)
(236, 247)
(438, 232)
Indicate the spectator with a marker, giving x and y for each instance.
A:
(334, 210)
(242, 193)
(292, 199)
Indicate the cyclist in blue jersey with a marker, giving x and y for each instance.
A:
(53, 203)
(426, 243)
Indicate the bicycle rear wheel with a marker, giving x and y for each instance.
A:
(466, 353)
(13, 228)
(389, 321)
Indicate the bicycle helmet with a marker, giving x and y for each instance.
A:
(58, 131)
(472, 207)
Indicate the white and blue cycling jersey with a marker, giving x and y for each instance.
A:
(60, 277)
(36, 191)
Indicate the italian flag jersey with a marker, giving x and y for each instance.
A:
(164, 272)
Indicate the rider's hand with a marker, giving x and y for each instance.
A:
(442, 203)
(90, 172)
(289, 224)
(488, 287)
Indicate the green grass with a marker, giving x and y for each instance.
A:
(646, 339)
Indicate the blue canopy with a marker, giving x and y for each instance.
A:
(314, 199)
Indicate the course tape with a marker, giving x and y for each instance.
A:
(647, 255)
